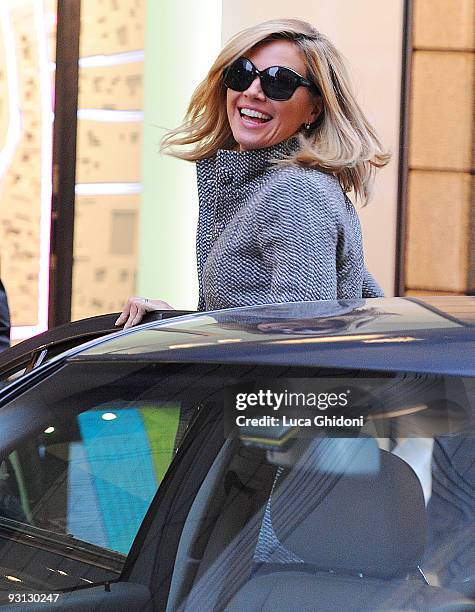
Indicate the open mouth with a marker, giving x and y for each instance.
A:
(254, 116)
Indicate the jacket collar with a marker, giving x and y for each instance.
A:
(239, 167)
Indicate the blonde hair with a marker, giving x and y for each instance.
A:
(342, 141)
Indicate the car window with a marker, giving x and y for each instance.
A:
(338, 523)
(81, 481)
(356, 512)
(381, 518)
(82, 476)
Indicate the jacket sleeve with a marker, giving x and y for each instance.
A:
(371, 288)
(297, 235)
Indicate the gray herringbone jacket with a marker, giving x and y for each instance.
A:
(275, 234)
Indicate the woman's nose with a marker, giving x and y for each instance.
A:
(255, 89)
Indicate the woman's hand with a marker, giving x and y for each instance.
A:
(135, 309)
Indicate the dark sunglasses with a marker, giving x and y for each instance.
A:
(277, 82)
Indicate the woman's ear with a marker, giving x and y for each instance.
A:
(316, 110)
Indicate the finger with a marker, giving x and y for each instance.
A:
(132, 313)
(127, 313)
(123, 315)
(139, 316)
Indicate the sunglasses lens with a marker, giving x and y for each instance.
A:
(279, 83)
(239, 75)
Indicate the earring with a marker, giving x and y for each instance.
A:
(308, 126)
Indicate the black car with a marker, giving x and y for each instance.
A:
(306, 456)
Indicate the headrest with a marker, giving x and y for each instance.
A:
(373, 524)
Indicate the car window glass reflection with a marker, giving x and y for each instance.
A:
(74, 492)
(84, 477)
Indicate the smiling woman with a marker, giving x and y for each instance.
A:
(257, 119)
(279, 139)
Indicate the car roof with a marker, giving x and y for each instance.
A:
(433, 335)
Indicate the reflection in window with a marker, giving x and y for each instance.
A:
(94, 478)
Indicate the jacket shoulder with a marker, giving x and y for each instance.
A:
(299, 177)
(300, 184)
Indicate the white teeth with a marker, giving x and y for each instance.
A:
(254, 113)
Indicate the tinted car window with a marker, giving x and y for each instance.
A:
(381, 518)
(342, 524)
(346, 518)
(82, 473)
(84, 476)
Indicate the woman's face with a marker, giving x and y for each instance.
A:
(283, 118)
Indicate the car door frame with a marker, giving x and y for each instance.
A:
(31, 353)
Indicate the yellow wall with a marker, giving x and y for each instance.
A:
(27, 37)
(109, 151)
(440, 225)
